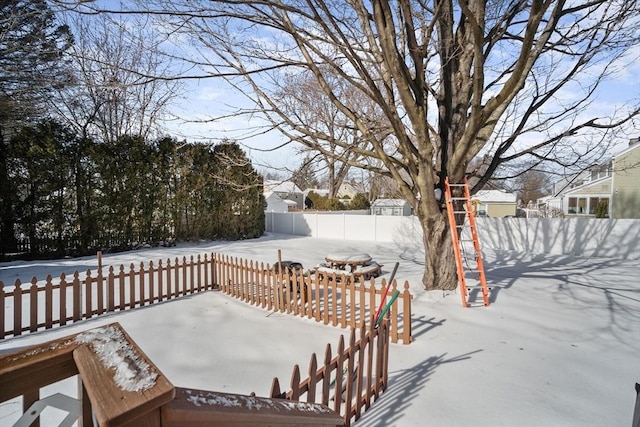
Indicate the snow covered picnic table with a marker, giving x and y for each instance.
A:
(343, 260)
(351, 264)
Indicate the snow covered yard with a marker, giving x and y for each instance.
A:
(559, 345)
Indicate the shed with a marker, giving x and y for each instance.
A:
(275, 203)
(394, 207)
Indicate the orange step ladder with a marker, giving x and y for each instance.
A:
(468, 221)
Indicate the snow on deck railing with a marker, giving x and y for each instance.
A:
(117, 382)
(135, 394)
(132, 373)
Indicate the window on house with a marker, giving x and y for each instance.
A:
(601, 171)
(577, 205)
(594, 202)
(582, 205)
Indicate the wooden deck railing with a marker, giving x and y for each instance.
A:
(141, 395)
(349, 381)
(345, 301)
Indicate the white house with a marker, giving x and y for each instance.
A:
(276, 204)
(348, 191)
(286, 190)
(394, 207)
(610, 189)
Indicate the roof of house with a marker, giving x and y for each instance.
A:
(281, 187)
(389, 203)
(494, 196)
(319, 191)
(271, 195)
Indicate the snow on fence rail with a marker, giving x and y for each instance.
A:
(347, 302)
(349, 381)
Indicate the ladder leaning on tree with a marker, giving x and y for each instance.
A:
(467, 221)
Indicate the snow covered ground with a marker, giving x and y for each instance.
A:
(559, 345)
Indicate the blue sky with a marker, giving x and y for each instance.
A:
(210, 98)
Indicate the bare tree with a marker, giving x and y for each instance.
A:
(331, 137)
(531, 186)
(109, 97)
(505, 80)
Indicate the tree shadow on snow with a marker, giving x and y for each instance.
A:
(596, 285)
(403, 387)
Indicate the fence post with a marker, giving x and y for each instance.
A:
(168, 274)
(215, 270)
(176, 277)
(191, 275)
(140, 285)
(48, 303)
(351, 376)
(132, 286)
(198, 273)
(393, 318)
(313, 379)
(63, 300)
(77, 297)
(205, 267)
(111, 291)
(326, 379)
(161, 294)
(88, 300)
(152, 296)
(100, 288)
(295, 383)
(406, 315)
(275, 389)
(337, 390)
(33, 305)
(17, 308)
(269, 287)
(2, 309)
(360, 373)
(344, 287)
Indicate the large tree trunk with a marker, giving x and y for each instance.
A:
(440, 264)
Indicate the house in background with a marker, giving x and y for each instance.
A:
(494, 203)
(348, 191)
(611, 189)
(394, 207)
(625, 182)
(276, 204)
(286, 190)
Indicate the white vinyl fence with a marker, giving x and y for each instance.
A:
(609, 238)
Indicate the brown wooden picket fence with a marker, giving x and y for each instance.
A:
(349, 381)
(79, 297)
(346, 301)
